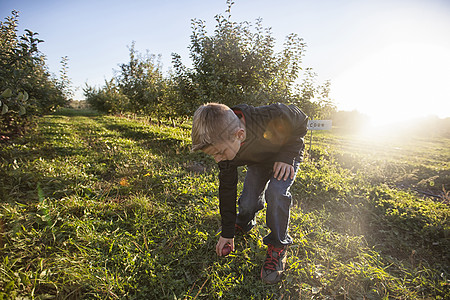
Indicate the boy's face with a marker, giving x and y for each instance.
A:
(225, 150)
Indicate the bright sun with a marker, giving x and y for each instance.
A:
(398, 82)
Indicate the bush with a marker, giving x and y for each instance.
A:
(27, 88)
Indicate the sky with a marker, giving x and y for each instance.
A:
(388, 59)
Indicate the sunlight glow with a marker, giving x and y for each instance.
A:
(398, 82)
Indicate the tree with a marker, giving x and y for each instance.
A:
(64, 83)
(26, 86)
(138, 87)
(238, 64)
(312, 97)
(108, 99)
(142, 81)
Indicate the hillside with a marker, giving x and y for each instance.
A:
(103, 207)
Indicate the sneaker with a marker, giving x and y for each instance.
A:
(273, 268)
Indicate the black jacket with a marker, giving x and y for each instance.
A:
(274, 133)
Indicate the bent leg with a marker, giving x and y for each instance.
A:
(279, 202)
(252, 197)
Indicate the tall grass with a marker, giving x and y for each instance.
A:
(101, 207)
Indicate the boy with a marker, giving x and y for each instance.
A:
(269, 140)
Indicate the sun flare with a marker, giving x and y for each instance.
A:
(398, 82)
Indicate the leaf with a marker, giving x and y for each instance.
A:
(20, 96)
(25, 96)
(7, 93)
(4, 109)
(22, 110)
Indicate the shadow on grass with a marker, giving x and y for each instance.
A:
(157, 142)
(71, 112)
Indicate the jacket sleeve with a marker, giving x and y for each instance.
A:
(294, 145)
(228, 179)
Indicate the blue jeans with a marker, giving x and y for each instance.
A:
(261, 187)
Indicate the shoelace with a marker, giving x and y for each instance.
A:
(272, 261)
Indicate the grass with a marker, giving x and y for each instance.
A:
(102, 207)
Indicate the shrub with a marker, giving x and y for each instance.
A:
(26, 85)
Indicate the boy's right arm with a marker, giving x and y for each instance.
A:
(228, 179)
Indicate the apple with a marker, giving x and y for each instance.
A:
(226, 250)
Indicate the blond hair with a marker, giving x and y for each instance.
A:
(213, 123)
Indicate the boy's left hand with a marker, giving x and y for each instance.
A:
(283, 171)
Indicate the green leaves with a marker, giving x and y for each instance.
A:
(4, 108)
(22, 96)
(22, 111)
(238, 64)
(22, 67)
(7, 93)
(18, 102)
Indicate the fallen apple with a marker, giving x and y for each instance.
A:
(226, 250)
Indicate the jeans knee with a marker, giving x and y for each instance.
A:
(251, 207)
(277, 189)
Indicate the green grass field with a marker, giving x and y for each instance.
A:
(102, 207)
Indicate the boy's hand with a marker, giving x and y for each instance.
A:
(283, 171)
(221, 243)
